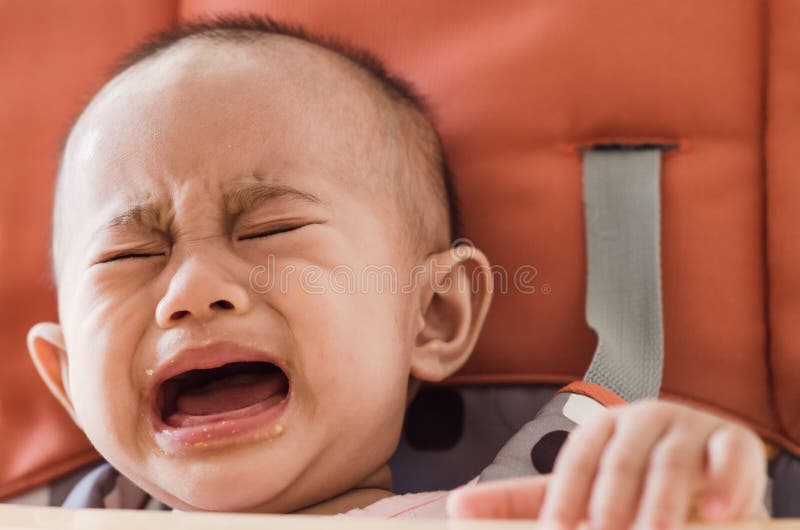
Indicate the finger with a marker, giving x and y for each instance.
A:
(567, 495)
(620, 477)
(736, 475)
(518, 498)
(676, 467)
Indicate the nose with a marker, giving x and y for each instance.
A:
(200, 291)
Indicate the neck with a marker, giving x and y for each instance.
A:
(375, 487)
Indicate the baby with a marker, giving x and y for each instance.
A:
(223, 205)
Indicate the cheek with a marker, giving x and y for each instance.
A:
(102, 342)
(352, 353)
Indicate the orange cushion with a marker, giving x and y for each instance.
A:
(516, 87)
(783, 209)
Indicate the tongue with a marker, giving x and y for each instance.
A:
(230, 393)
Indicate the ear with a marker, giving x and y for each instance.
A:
(454, 301)
(49, 354)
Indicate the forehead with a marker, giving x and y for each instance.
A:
(206, 112)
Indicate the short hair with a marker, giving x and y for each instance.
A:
(250, 28)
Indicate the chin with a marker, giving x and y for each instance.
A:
(247, 481)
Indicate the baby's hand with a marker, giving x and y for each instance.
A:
(650, 464)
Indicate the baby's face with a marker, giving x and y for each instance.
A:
(191, 184)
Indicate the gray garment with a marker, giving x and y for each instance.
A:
(533, 450)
(105, 487)
(489, 418)
(785, 472)
(419, 469)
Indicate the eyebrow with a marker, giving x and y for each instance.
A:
(148, 216)
(240, 198)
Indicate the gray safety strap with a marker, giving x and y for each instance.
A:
(621, 187)
(621, 194)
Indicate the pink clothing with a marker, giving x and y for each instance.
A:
(429, 504)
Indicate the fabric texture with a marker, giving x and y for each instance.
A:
(623, 302)
(105, 487)
(785, 485)
(533, 450)
(492, 416)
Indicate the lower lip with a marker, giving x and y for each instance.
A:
(258, 421)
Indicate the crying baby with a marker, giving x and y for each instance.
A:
(223, 150)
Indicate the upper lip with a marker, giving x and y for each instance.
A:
(206, 357)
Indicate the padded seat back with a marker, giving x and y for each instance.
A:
(517, 89)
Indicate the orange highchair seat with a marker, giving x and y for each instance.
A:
(517, 88)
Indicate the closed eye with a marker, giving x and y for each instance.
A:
(272, 232)
(131, 255)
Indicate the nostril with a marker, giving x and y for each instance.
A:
(177, 315)
(222, 304)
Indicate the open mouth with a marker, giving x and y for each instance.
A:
(224, 394)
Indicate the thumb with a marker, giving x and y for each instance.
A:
(517, 498)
